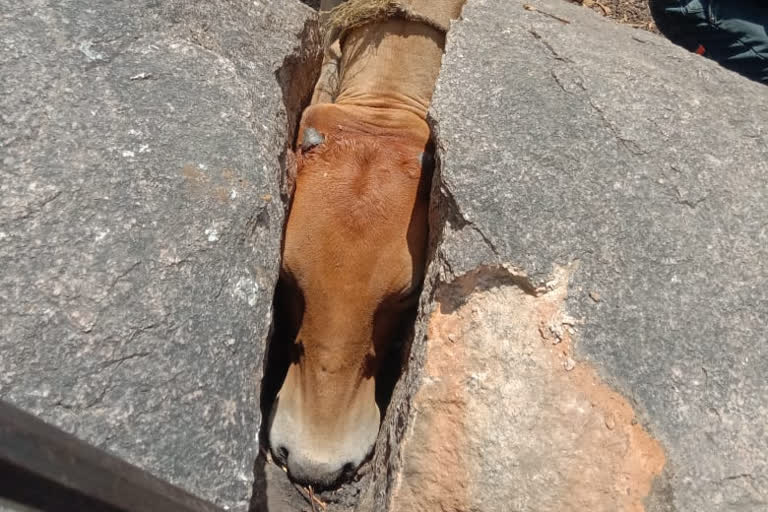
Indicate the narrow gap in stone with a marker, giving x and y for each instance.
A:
(394, 378)
(397, 377)
(296, 78)
(396, 362)
(315, 4)
(407, 360)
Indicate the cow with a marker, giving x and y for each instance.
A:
(355, 243)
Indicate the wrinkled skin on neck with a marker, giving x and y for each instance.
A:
(355, 247)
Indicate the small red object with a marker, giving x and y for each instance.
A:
(701, 50)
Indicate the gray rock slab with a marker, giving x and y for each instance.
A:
(140, 224)
(567, 138)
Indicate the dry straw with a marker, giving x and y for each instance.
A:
(356, 13)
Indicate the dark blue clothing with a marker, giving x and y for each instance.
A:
(732, 32)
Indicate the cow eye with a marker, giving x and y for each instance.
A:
(311, 139)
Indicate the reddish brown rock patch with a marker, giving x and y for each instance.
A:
(223, 184)
(508, 419)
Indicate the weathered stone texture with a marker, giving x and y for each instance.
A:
(140, 222)
(567, 140)
(506, 420)
(591, 335)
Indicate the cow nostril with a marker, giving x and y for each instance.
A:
(282, 454)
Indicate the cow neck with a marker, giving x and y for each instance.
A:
(391, 64)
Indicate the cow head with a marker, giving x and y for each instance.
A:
(352, 266)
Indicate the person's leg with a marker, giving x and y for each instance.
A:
(681, 21)
(744, 45)
(732, 32)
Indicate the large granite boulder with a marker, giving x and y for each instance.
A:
(593, 333)
(590, 335)
(140, 224)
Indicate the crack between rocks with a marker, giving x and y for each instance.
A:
(551, 49)
(532, 8)
(122, 275)
(119, 361)
(444, 213)
(460, 220)
(628, 144)
(750, 480)
(37, 208)
(560, 83)
(295, 77)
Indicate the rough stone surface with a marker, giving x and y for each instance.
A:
(590, 336)
(506, 420)
(140, 223)
(567, 141)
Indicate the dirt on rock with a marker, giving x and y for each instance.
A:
(630, 12)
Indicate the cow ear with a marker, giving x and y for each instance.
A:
(311, 138)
